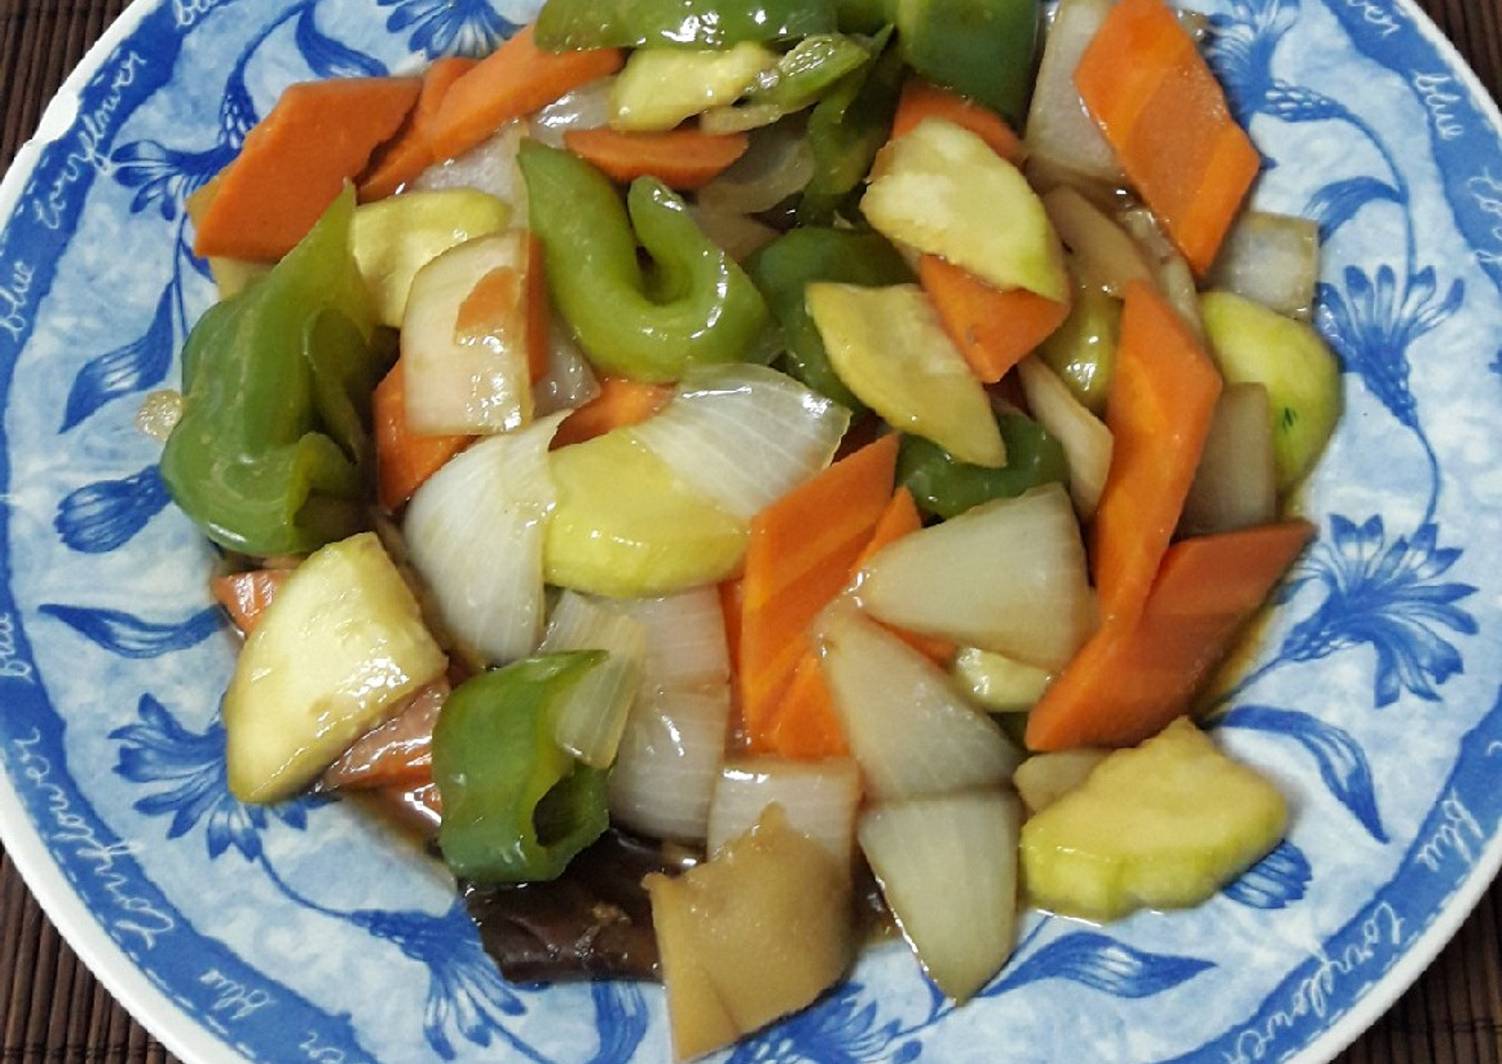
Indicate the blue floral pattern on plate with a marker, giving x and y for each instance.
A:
(300, 932)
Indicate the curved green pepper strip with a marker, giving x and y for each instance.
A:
(565, 25)
(694, 307)
(946, 488)
(252, 461)
(786, 266)
(848, 127)
(981, 48)
(516, 807)
(806, 72)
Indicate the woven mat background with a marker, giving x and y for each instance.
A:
(52, 1010)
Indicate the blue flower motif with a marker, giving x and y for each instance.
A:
(838, 1030)
(1372, 326)
(158, 749)
(164, 176)
(99, 517)
(466, 996)
(1496, 364)
(1385, 594)
(448, 27)
(1241, 49)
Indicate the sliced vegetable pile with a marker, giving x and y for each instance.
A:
(749, 427)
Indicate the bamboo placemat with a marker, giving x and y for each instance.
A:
(52, 1009)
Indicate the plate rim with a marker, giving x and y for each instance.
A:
(194, 1043)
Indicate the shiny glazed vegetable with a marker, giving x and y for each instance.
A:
(516, 807)
(694, 307)
(271, 454)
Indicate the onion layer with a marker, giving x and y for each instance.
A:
(593, 716)
(818, 797)
(668, 761)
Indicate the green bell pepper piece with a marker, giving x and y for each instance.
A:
(696, 306)
(271, 455)
(1083, 350)
(785, 267)
(862, 16)
(981, 48)
(806, 72)
(947, 488)
(566, 25)
(516, 807)
(848, 128)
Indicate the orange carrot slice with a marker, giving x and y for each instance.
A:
(1162, 400)
(246, 595)
(798, 557)
(404, 460)
(1165, 114)
(921, 99)
(294, 163)
(411, 151)
(995, 329)
(1133, 678)
(681, 158)
(621, 402)
(511, 83)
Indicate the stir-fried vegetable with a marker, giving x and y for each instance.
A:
(695, 308)
(669, 759)
(499, 490)
(661, 87)
(819, 799)
(516, 807)
(947, 865)
(1022, 590)
(785, 268)
(1251, 344)
(592, 716)
(256, 212)
(565, 25)
(1163, 826)
(411, 151)
(395, 238)
(888, 347)
(791, 576)
(341, 646)
(946, 487)
(758, 932)
(1134, 677)
(909, 730)
(848, 128)
(1086, 442)
(980, 48)
(475, 327)
(744, 436)
(258, 458)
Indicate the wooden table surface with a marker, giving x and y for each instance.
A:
(52, 1010)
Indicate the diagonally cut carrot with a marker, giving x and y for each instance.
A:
(411, 152)
(681, 158)
(805, 724)
(1165, 114)
(296, 160)
(246, 595)
(404, 460)
(995, 329)
(621, 402)
(512, 83)
(798, 557)
(922, 99)
(1133, 678)
(1162, 400)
